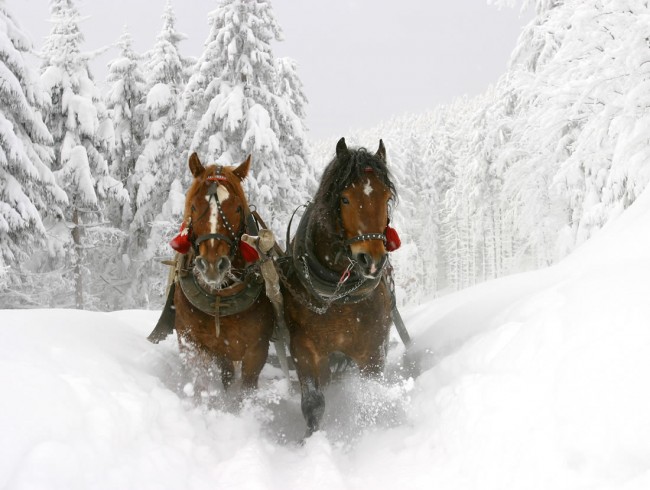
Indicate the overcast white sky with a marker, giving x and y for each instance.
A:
(361, 61)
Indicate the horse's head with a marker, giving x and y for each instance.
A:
(359, 190)
(215, 215)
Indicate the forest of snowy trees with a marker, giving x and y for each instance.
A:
(92, 180)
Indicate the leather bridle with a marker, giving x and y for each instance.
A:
(234, 238)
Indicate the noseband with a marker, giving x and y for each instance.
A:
(365, 237)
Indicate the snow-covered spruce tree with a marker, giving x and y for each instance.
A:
(160, 172)
(28, 189)
(83, 135)
(440, 166)
(207, 71)
(125, 103)
(292, 102)
(241, 100)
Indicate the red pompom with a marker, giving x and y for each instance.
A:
(392, 239)
(249, 253)
(181, 242)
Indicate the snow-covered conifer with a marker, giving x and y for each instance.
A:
(241, 100)
(291, 127)
(28, 189)
(124, 101)
(158, 164)
(83, 133)
(159, 170)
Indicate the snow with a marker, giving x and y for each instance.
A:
(259, 134)
(76, 168)
(537, 380)
(159, 97)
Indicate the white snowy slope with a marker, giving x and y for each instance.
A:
(535, 381)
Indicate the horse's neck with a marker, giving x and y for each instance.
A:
(327, 248)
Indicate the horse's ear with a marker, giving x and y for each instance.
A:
(196, 167)
(341, 149)
(381, 151)
(244, 167)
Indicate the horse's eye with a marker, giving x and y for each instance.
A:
(345, 200)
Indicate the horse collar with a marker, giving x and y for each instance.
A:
(226, 302)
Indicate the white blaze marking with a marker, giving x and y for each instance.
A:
(367, 189)
(222, 195)
(213, 217)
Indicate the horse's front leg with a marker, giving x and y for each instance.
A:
(312, 403)
(227, 369)
(252, 365)
(308, 366)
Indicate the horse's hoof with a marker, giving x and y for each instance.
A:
(308, 433)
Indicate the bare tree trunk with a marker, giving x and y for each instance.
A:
(76, 238)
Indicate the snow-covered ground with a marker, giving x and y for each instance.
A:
(534, 381)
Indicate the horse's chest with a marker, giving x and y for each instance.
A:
(354, 327)
(229, 336)
(343, 326)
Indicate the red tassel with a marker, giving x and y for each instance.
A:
(249, 253)
(392, 239)
(181, 242)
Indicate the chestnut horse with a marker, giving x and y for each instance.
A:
(338, 297)
(221, 311)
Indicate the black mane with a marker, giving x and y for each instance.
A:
(341, 173)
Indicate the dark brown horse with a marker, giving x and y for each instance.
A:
(337, 293)
(221, 310)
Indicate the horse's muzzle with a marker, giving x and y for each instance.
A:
(369, 266)
(213, 273)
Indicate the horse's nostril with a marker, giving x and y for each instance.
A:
(223, 265)
(364, 259)
(202, 264)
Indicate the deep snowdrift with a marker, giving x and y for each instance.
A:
(539, 380)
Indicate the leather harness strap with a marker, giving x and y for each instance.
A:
(321, 283)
